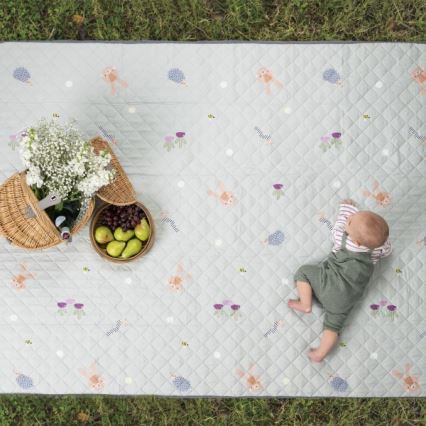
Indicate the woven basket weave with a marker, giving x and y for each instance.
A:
(23, 223)
(120, 192)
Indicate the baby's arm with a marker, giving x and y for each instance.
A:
(347, 208)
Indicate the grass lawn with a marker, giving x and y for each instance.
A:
(392, 20)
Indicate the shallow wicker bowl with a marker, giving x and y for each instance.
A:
(101, 249)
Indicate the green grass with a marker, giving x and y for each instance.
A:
(393, 20)
(403, 20)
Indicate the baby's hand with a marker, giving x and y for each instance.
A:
(348, 201)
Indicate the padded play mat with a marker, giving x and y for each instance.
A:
(242, 152)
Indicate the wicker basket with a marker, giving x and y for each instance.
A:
(120, 193)
(101, 250)
(23, 223)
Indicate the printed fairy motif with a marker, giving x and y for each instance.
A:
(252, 382)
(382, 198)
(180, 383)
(332, 76)
(226, 198)
(22, 74)
(275, 239)
(277, 324)
(384, 309)
(177, 141)
(419, 76)
(95, 381)
(266, 76)
(410, 382)
(110, 75)
(177, 76)
(278, 190)
(227, 308)
(118, 325)
(177, 281)
(78, 308)
(330, 140)
(265, 136)
(19, 280)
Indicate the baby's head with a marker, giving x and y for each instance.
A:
(367, 229)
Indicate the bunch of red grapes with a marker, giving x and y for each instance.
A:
(125, 216)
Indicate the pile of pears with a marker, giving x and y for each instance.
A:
(123, 243)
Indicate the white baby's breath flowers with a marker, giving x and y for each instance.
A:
(59, 160)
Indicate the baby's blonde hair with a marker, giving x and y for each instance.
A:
(374, 230)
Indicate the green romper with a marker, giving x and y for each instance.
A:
(338, 282)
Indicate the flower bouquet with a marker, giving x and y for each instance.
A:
(60, 161)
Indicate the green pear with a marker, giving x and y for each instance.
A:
(103, 235)
(133, 247)
(115, 248)
(121, 235)
(143, 230)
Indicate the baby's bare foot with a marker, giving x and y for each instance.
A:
(298, 306)
(315, 356)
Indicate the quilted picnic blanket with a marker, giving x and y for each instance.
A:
(242, 151)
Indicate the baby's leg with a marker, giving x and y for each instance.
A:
(304, 303)
(305, 278)
(328, 340)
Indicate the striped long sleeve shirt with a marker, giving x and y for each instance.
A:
(347, 210)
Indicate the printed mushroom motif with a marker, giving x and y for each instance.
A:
(278, 190)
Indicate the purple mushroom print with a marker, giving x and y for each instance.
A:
(278, 190)
(22, 74)
(168, 143)
(62, 308)
(180, 141)
(177, 76)
(78, 310)
(332, 76)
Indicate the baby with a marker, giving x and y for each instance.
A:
(360, 240)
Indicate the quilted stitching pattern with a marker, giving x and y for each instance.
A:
(176, 342)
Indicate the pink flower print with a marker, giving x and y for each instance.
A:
(383, 302)
(168, 143)
(278, 191)
(227, 302)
